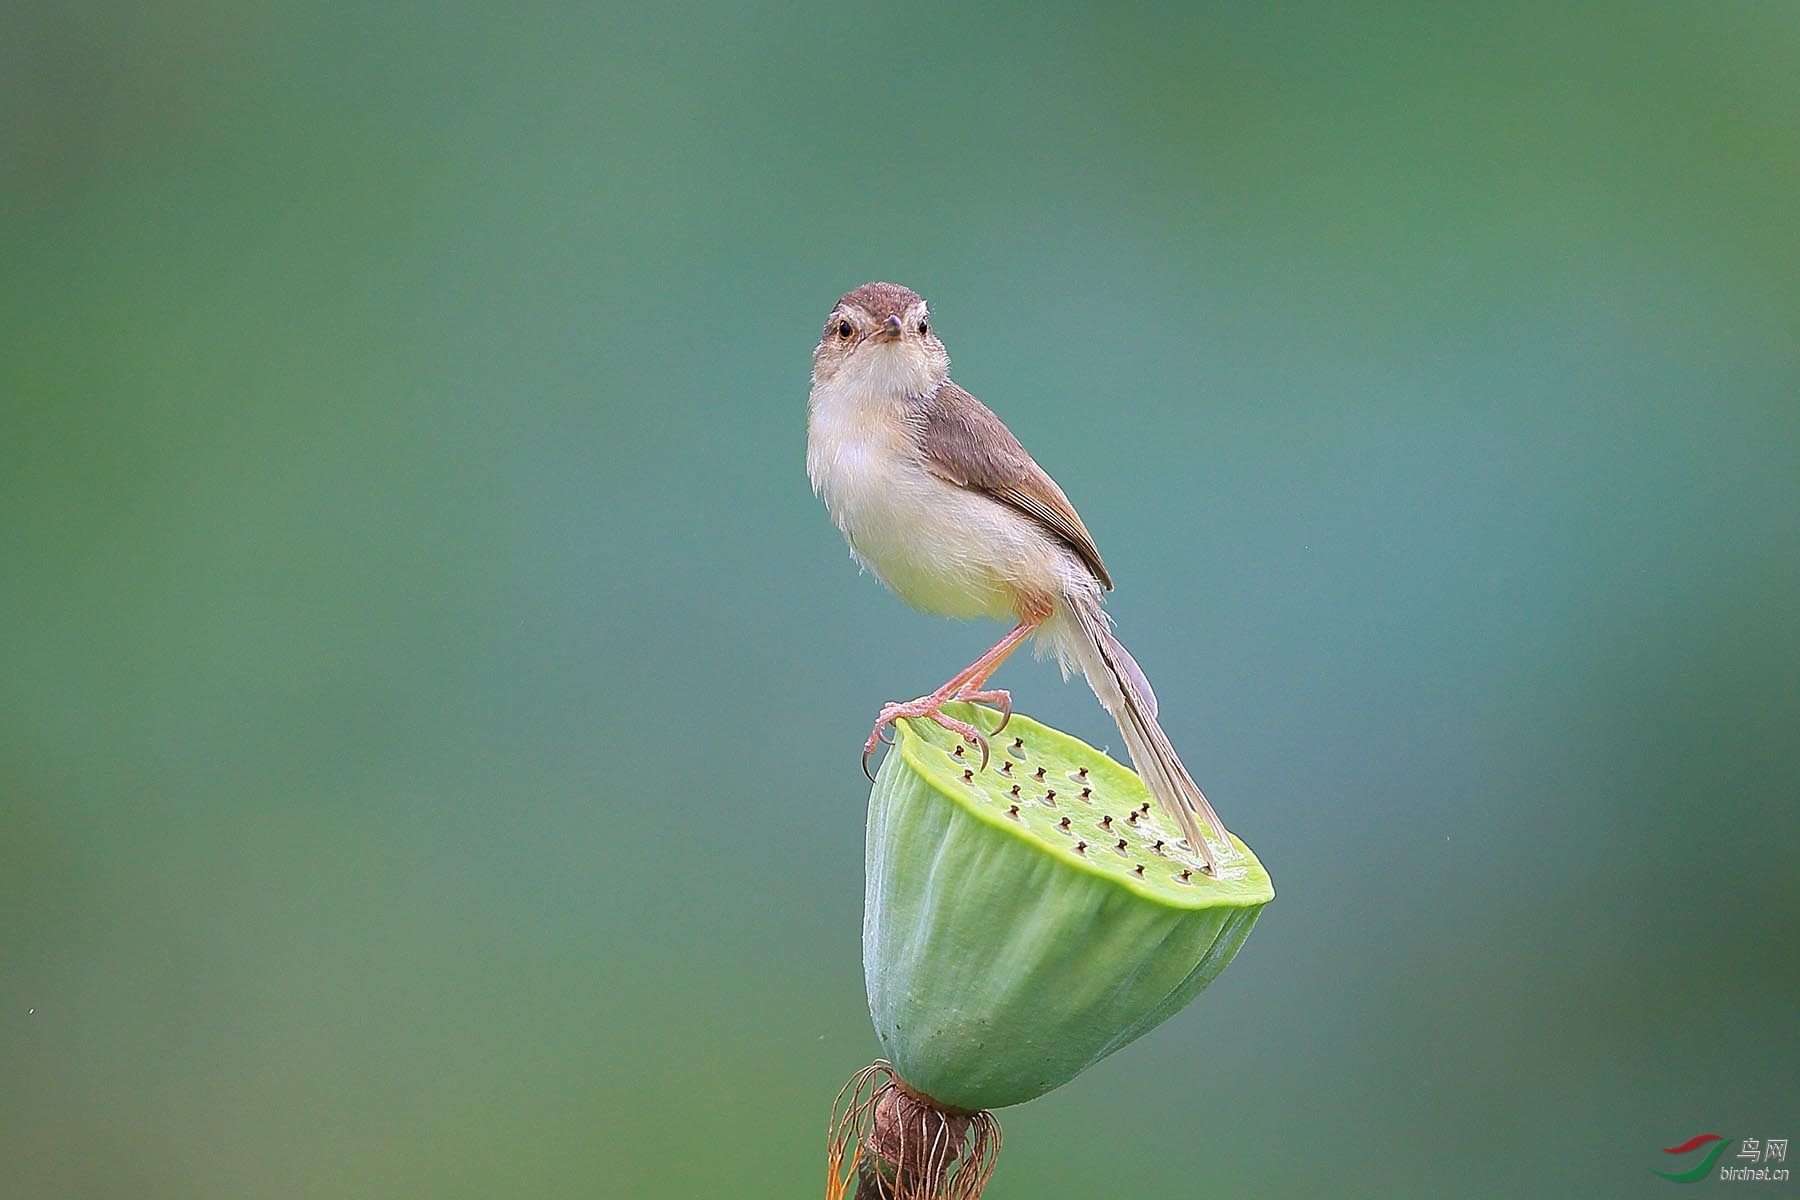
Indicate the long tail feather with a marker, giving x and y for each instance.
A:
(1087, 637)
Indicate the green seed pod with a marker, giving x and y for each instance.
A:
(1023, 921)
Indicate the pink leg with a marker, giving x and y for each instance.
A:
(983, 669)
(964, 685)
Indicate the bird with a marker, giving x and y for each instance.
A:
(940, 502)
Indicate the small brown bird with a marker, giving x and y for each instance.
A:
(939, 500)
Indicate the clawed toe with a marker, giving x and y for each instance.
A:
(894, 712)
(997, 697)
(966, 731)
(888, 715)
(875, 738)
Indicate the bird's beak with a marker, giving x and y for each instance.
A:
(890, 331)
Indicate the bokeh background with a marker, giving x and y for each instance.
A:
(431, 695)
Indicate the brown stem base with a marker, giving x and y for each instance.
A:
(903, 1146)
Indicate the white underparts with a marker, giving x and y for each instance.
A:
(941, 547)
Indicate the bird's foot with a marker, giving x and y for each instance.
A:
(998, 697)
(931, 708)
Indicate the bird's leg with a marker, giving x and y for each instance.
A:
(964, 685)
(983, 669)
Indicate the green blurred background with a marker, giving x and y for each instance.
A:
(431, 695)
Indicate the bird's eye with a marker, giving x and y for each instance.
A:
(924, 328)
(844, 329)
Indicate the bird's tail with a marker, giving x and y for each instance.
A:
(1082, 633)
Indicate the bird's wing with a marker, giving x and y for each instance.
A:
(965, 443)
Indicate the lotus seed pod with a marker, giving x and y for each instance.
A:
(1023, 921)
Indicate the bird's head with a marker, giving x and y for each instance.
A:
(880, 335)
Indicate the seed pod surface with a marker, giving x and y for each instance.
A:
(1008, 947)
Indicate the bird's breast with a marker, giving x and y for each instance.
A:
(940, 547)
